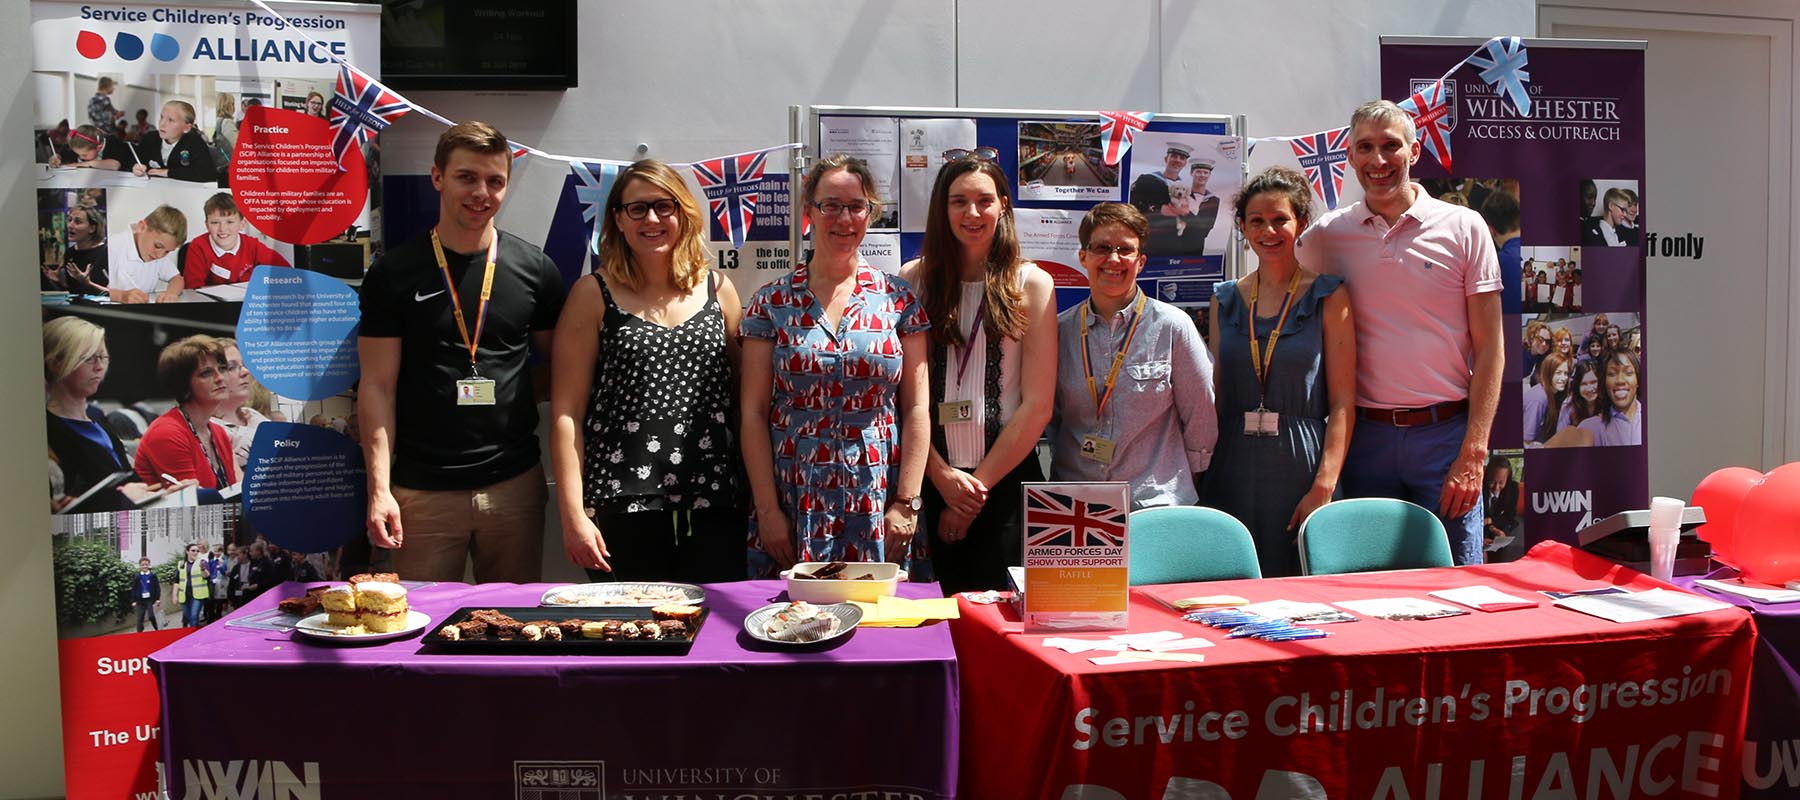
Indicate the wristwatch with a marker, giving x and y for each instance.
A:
(914, 502)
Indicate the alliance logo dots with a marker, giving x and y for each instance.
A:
(127, 46)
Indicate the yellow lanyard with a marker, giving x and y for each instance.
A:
(1259, 360)
(1100, 400)
(487, 290)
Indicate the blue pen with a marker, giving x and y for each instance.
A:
(1296, 635)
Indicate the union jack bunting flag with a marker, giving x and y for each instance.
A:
(360, 108)
(1116, 130)
(1430, 110)
(594, 182)
(1058, 520)
(1503, 67)
(1323, 156)
(730, 184)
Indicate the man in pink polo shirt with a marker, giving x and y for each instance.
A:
(1425, 289)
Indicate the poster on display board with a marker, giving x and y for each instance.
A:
(1057, 170)
(1568, 445)
(196, 232)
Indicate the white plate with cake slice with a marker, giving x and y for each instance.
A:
(318, 627)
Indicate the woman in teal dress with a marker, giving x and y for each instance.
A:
(1284, 345)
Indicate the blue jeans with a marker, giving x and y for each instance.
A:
(190, 612)
(1410, 464)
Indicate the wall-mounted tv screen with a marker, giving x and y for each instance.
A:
(479, 44)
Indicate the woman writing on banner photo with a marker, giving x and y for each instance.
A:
(184, 443)
(82, 443)
(641, 389)
(1285, 343)
(991, 314)
(835, 424)
(1134, 391)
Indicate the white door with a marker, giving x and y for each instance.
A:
(1720, 374)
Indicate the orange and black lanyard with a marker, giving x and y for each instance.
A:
(1100, 400)
(487, 291)
(1259, 360)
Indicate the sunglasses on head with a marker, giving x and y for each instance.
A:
(978, 154)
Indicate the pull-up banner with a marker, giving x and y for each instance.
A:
(1569, 441)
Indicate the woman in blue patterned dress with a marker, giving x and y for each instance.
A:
(834, 463)
(640, 396)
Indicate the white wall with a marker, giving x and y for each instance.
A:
(704, 78)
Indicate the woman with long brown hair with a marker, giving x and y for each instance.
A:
(992, 313)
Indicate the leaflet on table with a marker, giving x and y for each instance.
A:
(877, 141)
(1760, 594)
(1400, 608)
(1641, 606)
(1076, 573)
(1483, 598)
(923, 143)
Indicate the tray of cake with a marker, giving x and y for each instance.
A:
(661, 630)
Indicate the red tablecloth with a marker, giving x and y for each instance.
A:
(1542, 702)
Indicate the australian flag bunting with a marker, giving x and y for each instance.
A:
(1430, 110)
(594, 180)
(1503, 67)
(1322, 157)
(732, 186)
(360, 108)
(1116, 130)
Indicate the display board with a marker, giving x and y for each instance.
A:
(190, 184)
(1574, 297)
(1058, 166)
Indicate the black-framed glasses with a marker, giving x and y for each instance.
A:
(979, 154)
(1107, 250)
(664, 208)
(832, 208)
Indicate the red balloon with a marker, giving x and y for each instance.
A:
(1721, 493)
(1767, 541)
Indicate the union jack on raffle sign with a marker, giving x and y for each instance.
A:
(1323, 156)
(731, 190)
(360, 108)
(1117, 128)
(1430, 110)
(1058, 520)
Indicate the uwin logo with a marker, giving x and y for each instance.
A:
(1568, 502)
(249, 780)
(127, 46)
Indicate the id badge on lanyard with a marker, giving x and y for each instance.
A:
(473, 390)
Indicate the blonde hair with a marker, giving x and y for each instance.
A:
(616, 261)
(187, 109)
(227, 104)
(68, 341)
(167, 219)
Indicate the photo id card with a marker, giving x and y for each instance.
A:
(951, 413)
(1262, 422)
(475, 392)
(1094, 448)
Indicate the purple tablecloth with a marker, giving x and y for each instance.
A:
(875, 713)
(1771, 765)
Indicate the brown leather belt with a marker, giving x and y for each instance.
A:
(1409, 417)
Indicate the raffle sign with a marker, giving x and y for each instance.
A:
(1075, 556)
(1574, 396)
(182, 150)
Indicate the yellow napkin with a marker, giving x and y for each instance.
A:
(901, 612)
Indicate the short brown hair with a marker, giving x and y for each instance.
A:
(1114, 214)
(1284, 181)
(474, 136)
(848, 163)
(167, 219)
(176, 366)
(221, 203)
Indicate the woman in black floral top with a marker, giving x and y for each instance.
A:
(642, 381)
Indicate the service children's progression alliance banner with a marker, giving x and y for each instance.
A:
(1568, 442)
(186, 187)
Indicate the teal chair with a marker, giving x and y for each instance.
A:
(1369, 534)
(1182, 544)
